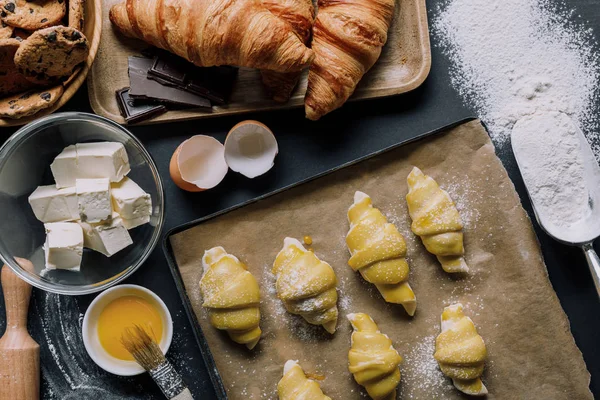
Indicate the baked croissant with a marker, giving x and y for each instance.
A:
(435, 219)
(306, 285)
(460, 351)
(372, 359)
(378, 252)
(231, 296)
(347, 40)
(294, 385)
(300, 14)
(214, 32)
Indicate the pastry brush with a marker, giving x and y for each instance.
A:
(147, 353)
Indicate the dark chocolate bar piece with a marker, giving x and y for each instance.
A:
(134, 112)
(213, 83)
(146, 89)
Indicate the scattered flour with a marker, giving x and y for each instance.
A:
(513, 58)
(547, 147)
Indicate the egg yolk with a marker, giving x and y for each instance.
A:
(123, 313)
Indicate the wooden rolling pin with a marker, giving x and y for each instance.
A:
(19, 353)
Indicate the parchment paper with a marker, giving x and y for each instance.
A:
(532, 354)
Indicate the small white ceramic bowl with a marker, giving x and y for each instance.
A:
(90, 328)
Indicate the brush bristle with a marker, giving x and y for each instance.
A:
(142, 347)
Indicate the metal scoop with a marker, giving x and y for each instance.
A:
(584, 232)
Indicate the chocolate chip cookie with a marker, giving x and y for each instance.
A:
(51, 54)
(32, 15)
(76, 18)
(11, 81)
(29, 103)
(6, 31)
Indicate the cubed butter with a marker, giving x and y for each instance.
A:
(64, 245)
(93, 199)
(135, 222)
(50, 204)
(90, 161)
(130, 201)
(108, 238)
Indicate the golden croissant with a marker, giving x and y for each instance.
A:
(372, 359)
(300, 14)
(214, 32)
(306, 285)
(436, 220)
(347, 40)
(231, 295)
(378, 252)
(294, 384)
(460, 351)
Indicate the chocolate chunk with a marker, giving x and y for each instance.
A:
(3, 24)
(12, 101)
(75, 36)
(147, 89)
(2, 14)
(44, 20)
(10, 7)
(31, 11)
(46, 96)
(133, 111)
(25, 96)
(51, 37)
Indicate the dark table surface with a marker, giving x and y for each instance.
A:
(306, 149)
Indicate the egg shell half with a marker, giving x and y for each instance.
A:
(198, 164)
(250, 148)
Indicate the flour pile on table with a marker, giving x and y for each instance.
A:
(512, 58)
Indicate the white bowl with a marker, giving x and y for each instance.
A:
(90, 328)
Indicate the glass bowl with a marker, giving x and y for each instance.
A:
(25, 161)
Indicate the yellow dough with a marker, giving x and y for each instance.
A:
(296, 386)
(231, 296)
(372, 359)
(460, 351)
(306, 285)
(435, 219)
(378, 252)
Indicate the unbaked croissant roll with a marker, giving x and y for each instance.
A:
(294, 385)
(347, 40)
(378, 252)
(214, 32)
(300, 14)
(306, 285)
(231, 295)
(460, 351)
(436, 220)
(372, 359)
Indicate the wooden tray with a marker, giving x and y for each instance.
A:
(92, 30)
(403, 66)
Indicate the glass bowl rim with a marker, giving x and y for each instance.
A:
(59, 288)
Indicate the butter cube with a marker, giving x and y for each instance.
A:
(93, 199)
(108, 238)
(64, 167)
(50, 204)
(90, 161)
(63, 248)
(131, 202)
(135, 222)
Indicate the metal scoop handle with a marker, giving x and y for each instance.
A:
(593, 263)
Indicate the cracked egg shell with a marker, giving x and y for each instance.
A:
(250, 148)
(198, 164)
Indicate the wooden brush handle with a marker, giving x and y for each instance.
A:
(20, 354)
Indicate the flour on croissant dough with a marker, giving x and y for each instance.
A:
(306, 285)
(294, 385)
(372, 359)
(231, 295)
(436, 220)
(378, 252)
(460, 351)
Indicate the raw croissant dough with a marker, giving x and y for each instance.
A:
(231, 296)
(378, 252)
(306, 285)
(460, 351)
(372, 359)
(436, 220)
(295, 385)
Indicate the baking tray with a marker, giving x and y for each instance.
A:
(403, 66)
(170, 256)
